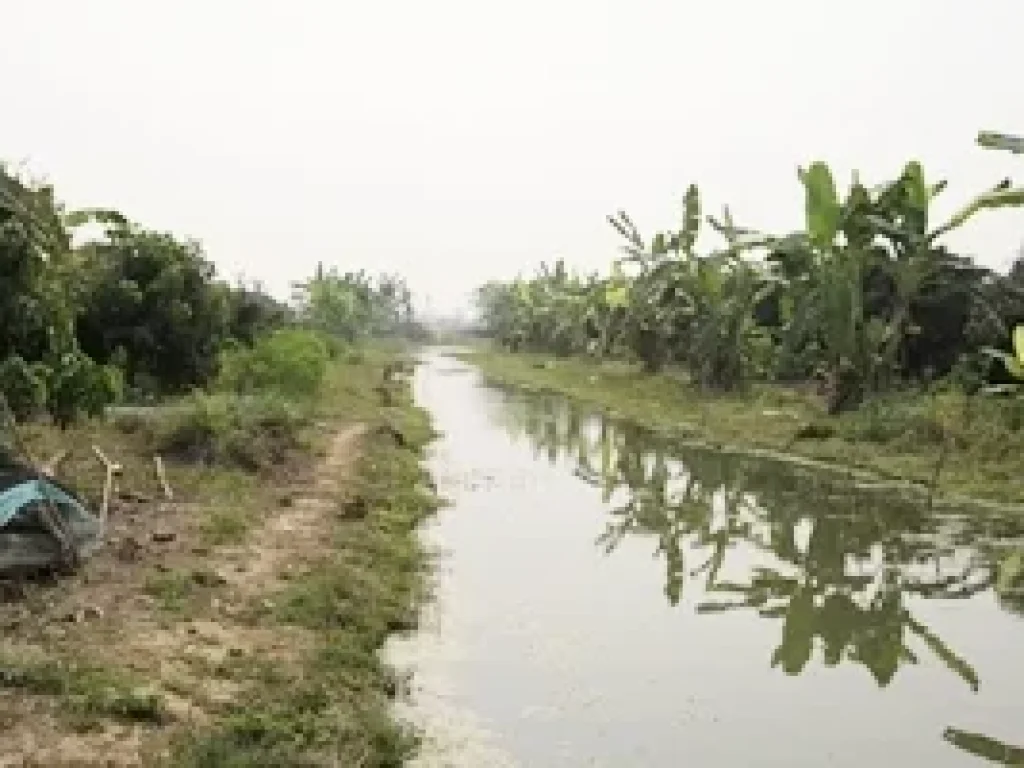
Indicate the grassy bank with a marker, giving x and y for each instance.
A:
(976, 445)
(239, 624)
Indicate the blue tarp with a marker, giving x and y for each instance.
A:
(17, 497)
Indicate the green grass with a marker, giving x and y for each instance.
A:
(369, 583)
(900, 436)
(176, 589)
(86, 693)
(227, 525)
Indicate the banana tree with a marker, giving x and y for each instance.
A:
(689, 308)
(607, 312)
(915, 263)
(660, 303)
(821, 270)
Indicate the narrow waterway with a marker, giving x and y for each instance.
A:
(606, 598)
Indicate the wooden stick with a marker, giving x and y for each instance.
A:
(113, 469)
(161, 475)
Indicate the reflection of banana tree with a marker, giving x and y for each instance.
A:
(872, 631)
(669, 502)
(984, 747)
(835, 564)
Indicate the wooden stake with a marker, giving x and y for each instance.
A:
(113, 469)
(161, 475)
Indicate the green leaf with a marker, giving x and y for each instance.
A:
(1013, 365)
(985, 747)
(821, 204)
(691, 220)
(1003, 141)
(917, 194)
(1001, 196)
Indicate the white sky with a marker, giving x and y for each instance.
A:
(456, 140)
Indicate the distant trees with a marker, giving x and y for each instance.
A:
(354, 305)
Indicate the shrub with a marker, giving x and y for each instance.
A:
(231, 430)
(79, 386)
(23, 386)
(288, 362)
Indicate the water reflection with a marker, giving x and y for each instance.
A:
(839, 566)
(985, 747)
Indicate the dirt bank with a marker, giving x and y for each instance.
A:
(238, 624)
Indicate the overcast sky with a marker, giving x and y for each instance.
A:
(456, 140)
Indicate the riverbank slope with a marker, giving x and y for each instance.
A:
(964, 448)
(239, 623)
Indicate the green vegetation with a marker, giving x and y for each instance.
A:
(97, 309)
(863, 298)
(87, 692)
(287, 362)
(860, 328)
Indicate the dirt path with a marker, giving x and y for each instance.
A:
(175, 614)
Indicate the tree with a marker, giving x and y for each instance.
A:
(150, 301)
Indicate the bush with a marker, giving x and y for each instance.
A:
(247, 432)
(23, 386)
(288, 362)
(79, 386)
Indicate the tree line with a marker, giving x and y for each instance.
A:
(862, 296)
(97, 309)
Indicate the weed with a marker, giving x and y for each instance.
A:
(225, 525)
(85, 692)
(251, 433)
(174, 589)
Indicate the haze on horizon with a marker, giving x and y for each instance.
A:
(457, 141)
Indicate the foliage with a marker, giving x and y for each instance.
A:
(96, 308)
(352, 305)
(78, 386)
(152, 300)
(288, 362)
(23, 386)
(863, 297)
(251, 433)
(1014, 361)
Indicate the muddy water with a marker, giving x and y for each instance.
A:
(605, 598)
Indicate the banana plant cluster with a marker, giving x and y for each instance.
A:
(557, 311)
(861, 296)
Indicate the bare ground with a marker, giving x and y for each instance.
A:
(162, 606)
